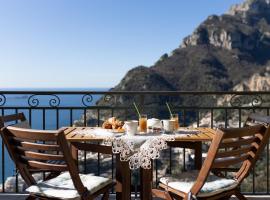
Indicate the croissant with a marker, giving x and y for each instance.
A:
(112, 120)
(106, 125)
(113, 123)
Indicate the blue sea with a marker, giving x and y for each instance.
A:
(50, 116)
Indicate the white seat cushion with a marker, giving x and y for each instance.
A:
(213, 185)
(62, 186)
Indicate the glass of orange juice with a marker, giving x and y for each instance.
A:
(175, 118)
(143, 123)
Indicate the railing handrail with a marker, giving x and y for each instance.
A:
(131, 92)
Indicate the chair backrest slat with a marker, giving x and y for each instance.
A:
(38, 155)
(230, 161)
(255, 118)
(11, 118)
(37, 146)
(233, 133)
(236, 152)
(47, 166)
(238, 142)
(14, 120)
(32, 134)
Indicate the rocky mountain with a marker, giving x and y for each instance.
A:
(257, 82)
(221, 53)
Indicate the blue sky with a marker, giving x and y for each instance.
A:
(91, 43)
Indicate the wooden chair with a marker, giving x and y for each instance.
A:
(29, 154)
(19, 120)
(250, 142)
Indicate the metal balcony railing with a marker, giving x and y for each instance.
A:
(54, 109)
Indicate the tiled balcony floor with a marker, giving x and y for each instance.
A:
(112, 197)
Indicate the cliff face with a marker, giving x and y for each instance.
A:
(245, 28)
(218, 56)
(220, 53)
(257, 82)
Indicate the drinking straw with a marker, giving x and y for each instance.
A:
(169, 109)
(138, 112)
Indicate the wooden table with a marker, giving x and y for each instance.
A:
(123, 174)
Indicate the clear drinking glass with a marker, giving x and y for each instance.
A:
(175, 118)
(143, 123)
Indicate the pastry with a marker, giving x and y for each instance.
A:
(113, 123)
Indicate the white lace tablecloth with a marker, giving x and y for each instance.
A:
(139, 150)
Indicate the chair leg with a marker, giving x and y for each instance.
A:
(105, 196)
(240, 196)
(161, 194)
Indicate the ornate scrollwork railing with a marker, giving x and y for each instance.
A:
(109, 98)
(34, 101)
(82, 99)
(246, 100)
(3, 99)
(87, 100)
